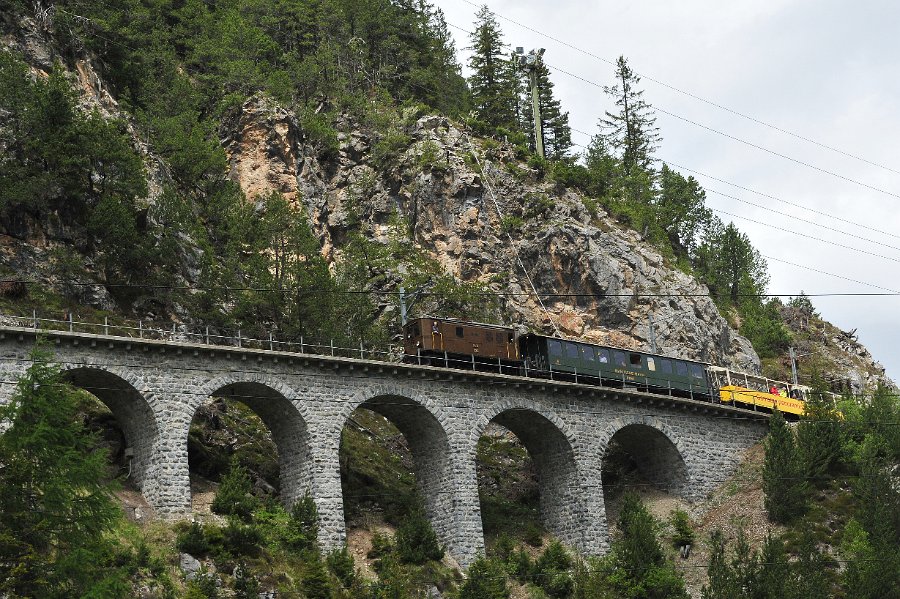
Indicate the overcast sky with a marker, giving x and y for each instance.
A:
(825, 70)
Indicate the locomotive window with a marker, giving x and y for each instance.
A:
(588, 353)
(666, 366)
(555, 348)
(459, 331)
(681, 368)
(696, 371)
(571, 350)
(651, 363)
(619, 358)
(635, 359)
(603, 354)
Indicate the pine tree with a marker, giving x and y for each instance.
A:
(681, 211)
(486, 580)
(631, 131)
(818, 436)
(493, 81)
(783, 482)
(730, 266)
(55, 503)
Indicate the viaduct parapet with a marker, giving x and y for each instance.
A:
(154, 389)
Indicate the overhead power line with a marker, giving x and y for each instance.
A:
(739, 139)
(695, 96)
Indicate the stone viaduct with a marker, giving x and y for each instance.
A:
(154, 389)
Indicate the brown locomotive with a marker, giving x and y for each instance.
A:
(427, 339)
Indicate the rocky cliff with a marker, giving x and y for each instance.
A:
(487, 216)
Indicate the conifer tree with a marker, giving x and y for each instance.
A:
(818, 436)
(783, 482)
(632, 130)
(493, 81)
(55, 503)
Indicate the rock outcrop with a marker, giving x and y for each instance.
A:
(485, 216)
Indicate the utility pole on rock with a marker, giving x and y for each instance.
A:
(530, 62)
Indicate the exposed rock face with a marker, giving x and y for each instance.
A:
(603, 281)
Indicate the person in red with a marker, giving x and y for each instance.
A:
(773, 390)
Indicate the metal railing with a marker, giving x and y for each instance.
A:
(206, 336)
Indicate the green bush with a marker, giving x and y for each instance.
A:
(533, 535)
(241, 538)
(302, 529)
(684, 533)
(192, 540)
(510, 224)
(416, 540)
(551, 571)
(520, 565)
(486, 580)
(340, 562)
(234, 496)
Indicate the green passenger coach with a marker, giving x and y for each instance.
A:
(574, 360)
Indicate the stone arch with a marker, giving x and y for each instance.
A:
(276, 405)
(135, 409)
(657, 449)
(425, 428)
(551, 445)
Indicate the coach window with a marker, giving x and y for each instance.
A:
(555, 348)
(619, 358)
(459, 331)
(588, 353)
(603, 356)
(488, 336)
(635, 359)
(696, 371)
(572, 351)
(651, 364)
(666, 366)
(681, 368)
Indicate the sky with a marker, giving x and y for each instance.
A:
(823, 70)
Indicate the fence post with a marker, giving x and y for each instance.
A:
(141, 329)
(106, 325)
(34, 315)
(525, 362)
(446, 361)
(271, 342)
(551, 372)
(360, 349)
(71, 322)
(239, 339)
(173, 331)
(576, 375)
(332, 348)
(207, 334)
(301, 344)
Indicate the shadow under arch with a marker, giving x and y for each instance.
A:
(132, 408)
(430, 448)
(271, 402)
(650, 451)
(552, 453)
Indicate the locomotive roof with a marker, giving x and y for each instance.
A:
(465, 322)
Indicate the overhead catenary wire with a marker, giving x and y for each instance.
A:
(751, 144)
